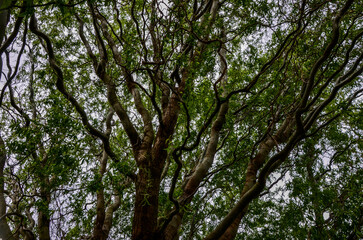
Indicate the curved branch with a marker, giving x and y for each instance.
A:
(99, 67)
(62, 89)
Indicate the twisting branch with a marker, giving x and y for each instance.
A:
(203, 167)
(11, 75)
(145, 114)
(60, 80)
(61, 88)
(99, 67)
(310, 82)
(16, 29)
(338, 71)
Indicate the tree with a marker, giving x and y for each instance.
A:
(192, 119)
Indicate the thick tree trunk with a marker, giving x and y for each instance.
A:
(43, 225)
(146, 205)
(151, 162)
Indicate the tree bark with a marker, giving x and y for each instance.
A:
(100, 217)
(3, 23)
(254, 165)
(5, 232)
(151, 163)
(146, 205)
(43, 209)
(201, 170)
(44, 218)
(100, 206)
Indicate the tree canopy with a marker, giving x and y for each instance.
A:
(203, 119)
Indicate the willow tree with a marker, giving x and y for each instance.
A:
(181, 119)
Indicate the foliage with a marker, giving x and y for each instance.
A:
(192, 119)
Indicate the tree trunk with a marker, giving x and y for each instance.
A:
(146, 205)
(44, 213)
(5, 232)
(4, 19)
(98, 233)
(44, 220)
(151, 162)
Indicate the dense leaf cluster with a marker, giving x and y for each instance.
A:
(209, 119)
